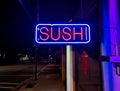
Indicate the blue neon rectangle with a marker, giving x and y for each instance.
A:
(59, 31)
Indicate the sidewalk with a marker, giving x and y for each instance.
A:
(46, 81)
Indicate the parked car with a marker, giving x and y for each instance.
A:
(23, 58)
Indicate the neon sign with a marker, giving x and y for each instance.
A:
(62, 33)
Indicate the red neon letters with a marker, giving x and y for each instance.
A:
(63, 33)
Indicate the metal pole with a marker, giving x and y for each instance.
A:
(81, 4)
(36, 62)
(70, 68)
(38, 10)
(36, 48)
(69, 58)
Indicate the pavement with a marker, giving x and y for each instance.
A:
(14, 76)
(49, 79)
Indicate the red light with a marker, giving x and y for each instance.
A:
(64, 33)
(44, 33)
(80, 33)
(52, 33)
(84, 62)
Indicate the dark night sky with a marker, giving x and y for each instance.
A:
(15, 26)
(17, 23)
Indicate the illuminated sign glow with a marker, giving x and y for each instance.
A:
(62, 33)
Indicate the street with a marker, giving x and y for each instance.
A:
(13, 76)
